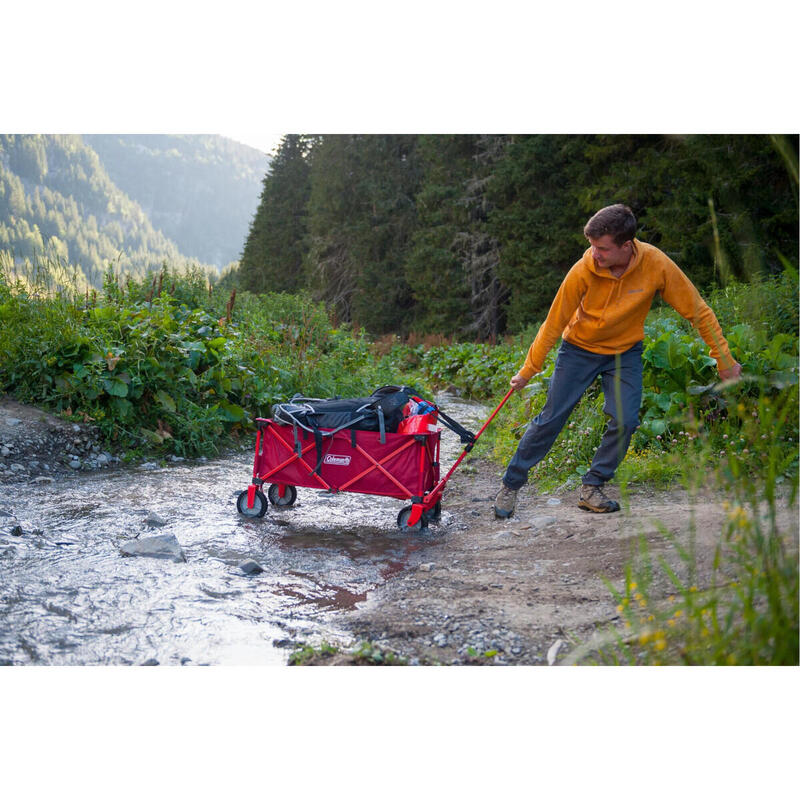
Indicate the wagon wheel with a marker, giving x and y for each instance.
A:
(288, 499)
(259, 504)
(435, 513)
(402, 520)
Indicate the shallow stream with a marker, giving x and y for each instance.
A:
(69, 597)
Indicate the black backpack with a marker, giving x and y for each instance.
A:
(382, 411)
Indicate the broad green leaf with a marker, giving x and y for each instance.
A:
(123, 407)
(231, 411)
(164, 400)
(115, 387)
(151, 436)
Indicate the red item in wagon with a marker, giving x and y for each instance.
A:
(420, 417)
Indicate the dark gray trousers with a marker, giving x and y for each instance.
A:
(575, 369)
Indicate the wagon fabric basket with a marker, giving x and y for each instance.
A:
(385, 444)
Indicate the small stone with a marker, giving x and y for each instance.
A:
(5, 451)
(76, 428)
(13, 421)
(17, 468)
(75, 464)
(537, 523)
(427, 567)
(103, 459)
(43, 479)
(552, 653)
(250, 567)
(153, 519)
(553, 501)
(151, 662)
(163, 546)
(149, 465)
(17, 530)
(440, 640)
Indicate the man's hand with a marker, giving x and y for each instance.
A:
(517, 382)
(732, 373)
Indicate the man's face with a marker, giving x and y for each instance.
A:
(607, 254)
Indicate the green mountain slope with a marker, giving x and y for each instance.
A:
(200, 191)
(56, 200)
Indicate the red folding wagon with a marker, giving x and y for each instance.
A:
(402, 465)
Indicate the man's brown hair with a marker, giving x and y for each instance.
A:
(617, 220)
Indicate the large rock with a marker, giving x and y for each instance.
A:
(163, 546)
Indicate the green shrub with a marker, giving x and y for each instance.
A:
(165, 364)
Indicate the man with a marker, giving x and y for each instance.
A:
(599, 312)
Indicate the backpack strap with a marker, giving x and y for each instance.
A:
(381, 425)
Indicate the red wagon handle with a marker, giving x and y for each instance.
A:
(433, 496)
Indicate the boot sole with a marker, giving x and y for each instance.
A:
(503, 514)
(592, 509)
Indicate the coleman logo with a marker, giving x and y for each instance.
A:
(337, 461)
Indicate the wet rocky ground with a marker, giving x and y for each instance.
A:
(40, 447)
(212, 587)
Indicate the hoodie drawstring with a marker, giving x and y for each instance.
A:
(608, 299)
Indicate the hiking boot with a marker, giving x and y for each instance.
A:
(504, 502)
(593, 498)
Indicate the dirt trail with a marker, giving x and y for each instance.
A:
(518, 586)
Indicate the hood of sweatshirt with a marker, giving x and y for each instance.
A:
(614, 283)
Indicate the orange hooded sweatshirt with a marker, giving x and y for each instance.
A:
(603, 314)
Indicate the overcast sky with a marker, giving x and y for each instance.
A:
(265, 142)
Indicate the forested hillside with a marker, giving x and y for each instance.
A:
(472, 234)
(132, 201)
(200, 191)
(57, 201)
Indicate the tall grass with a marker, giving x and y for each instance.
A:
(742, 609)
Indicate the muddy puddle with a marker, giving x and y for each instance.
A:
(69, 597)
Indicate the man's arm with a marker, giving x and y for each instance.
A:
(562, 308)
(682, 295)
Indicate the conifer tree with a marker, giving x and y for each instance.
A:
(361, 216)
(273, 256)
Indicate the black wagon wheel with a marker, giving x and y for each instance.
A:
(403, 517)
(435, 513)
(288, 499)
(259, 504)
